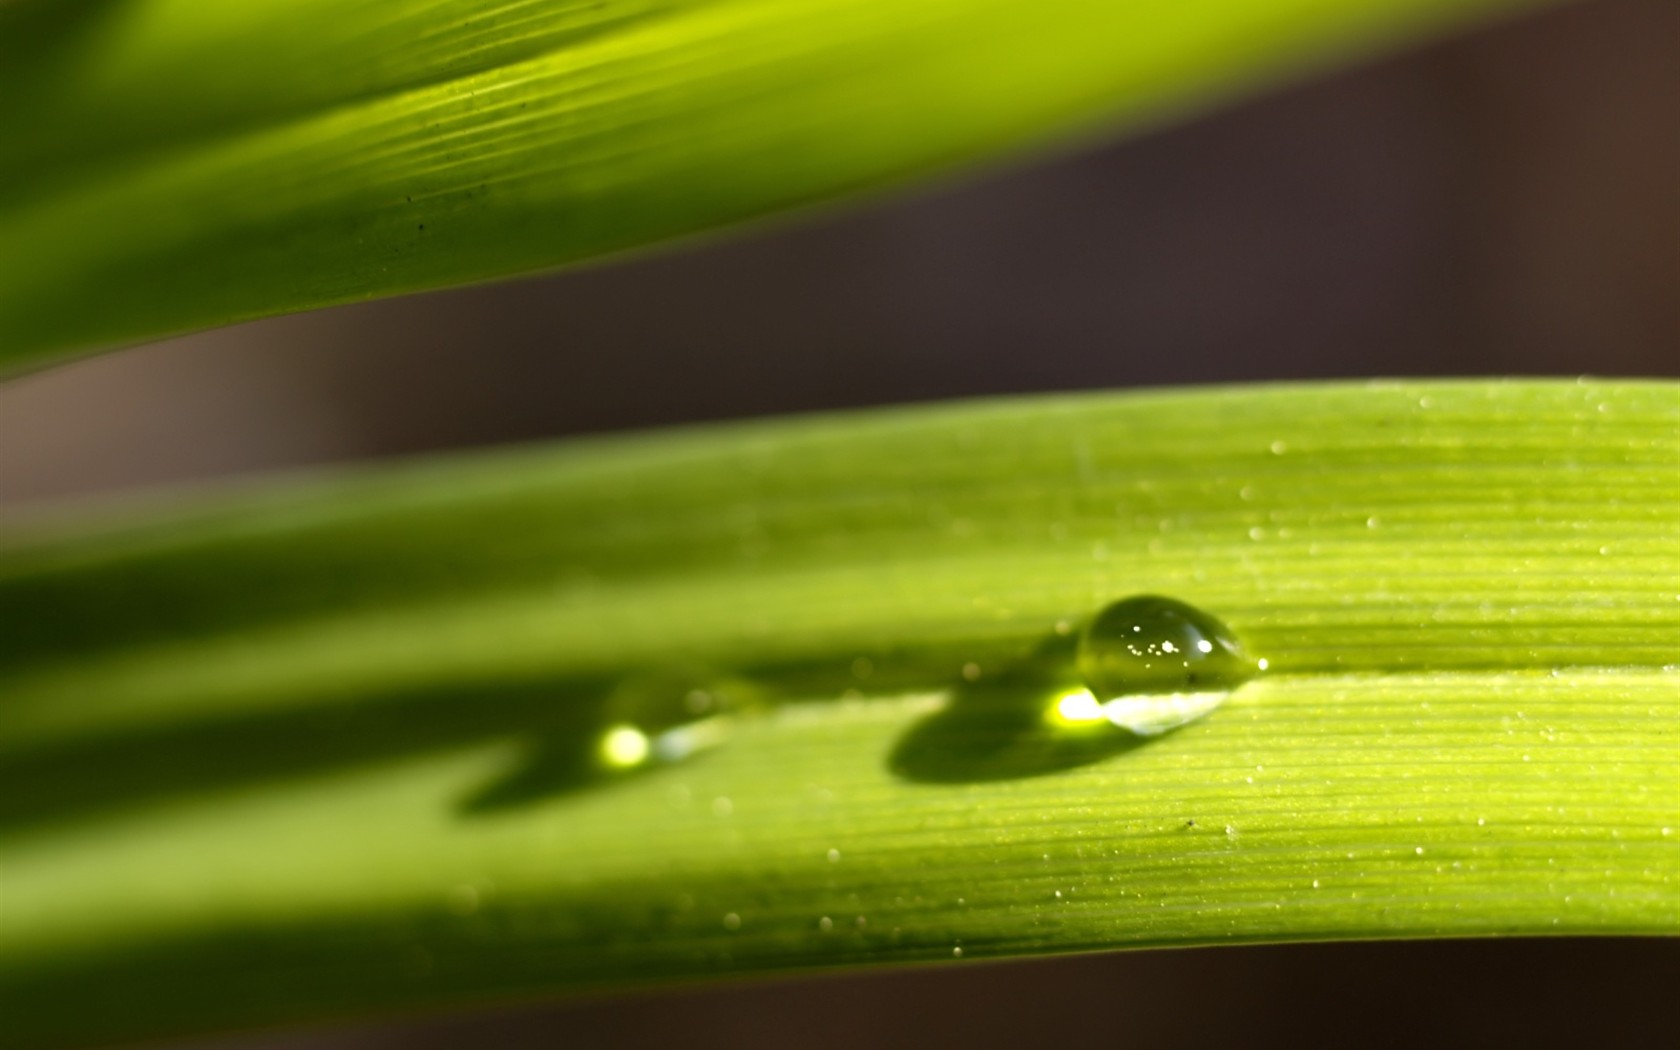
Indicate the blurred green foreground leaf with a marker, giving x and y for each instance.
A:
(332, 747)
(167, 165)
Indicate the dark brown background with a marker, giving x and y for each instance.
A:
(1507, 202)
(1417, 996)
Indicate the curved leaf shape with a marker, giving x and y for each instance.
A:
(170, 165)
(331, 747)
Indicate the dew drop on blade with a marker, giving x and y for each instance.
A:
(1152, 664)
(666, 717)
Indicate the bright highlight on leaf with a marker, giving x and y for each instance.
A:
(392, 737)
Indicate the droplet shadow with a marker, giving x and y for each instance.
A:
(196, 760)
(1002, 726)
(546, 768)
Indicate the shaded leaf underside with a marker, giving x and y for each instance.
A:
(170, 165)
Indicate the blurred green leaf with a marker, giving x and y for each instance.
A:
(331, 747)
(170, 164)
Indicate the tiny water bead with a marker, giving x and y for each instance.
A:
(1152, 663)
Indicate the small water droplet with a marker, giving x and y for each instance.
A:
(834, 856)
(971, 672)
(956, 953)
(657, 718)
(825, 924)
(1152, 664)
(731, 921)
(667, 716)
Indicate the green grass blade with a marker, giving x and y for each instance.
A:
(311, 752)
(169, 165)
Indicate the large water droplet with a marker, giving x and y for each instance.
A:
(1152, 664)
(1148, 664)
